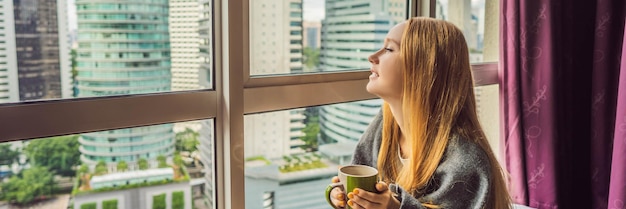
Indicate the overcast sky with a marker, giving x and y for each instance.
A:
(313, 10)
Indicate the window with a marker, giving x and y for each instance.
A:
(148, 100)
(299, 151)
(321, 49)
(104, 30)
(479, 21)
(164, 156)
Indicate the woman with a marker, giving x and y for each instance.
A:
(428, 144)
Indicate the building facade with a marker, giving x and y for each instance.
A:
(184, 43)
(8, 61)
(351, 31)
(312, 34)
(140, 198)
(275, 48)
(42, 49)
(34, 51)
(206, 147)
(122, 51)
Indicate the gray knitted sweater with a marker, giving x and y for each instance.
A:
(460, 181)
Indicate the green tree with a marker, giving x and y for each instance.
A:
(101, 167)
(162, 161)
(311, 57)
(74, 64)
(34, 182)
(178, 160)
(143, 164)
(122, 166)
(187, 140)
(83, 169)
(59, 154)
(311, 130)
(8, 156)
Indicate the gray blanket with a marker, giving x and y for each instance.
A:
(461, 180)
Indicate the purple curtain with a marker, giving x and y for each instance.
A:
(617, 191)
(563, 104)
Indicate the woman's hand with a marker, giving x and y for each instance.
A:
(369, 200)
(337, 196)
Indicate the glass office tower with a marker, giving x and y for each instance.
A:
(123, 48)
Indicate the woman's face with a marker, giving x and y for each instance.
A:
(386, 78)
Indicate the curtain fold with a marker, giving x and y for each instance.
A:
(562, 102)
(617, 191)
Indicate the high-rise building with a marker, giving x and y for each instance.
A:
(351, 31)
(206, 147)
(123, 51)
(312, 34)
(34, 57)
(42, 46)
(184, 42)
(8, 60)
(275, 48)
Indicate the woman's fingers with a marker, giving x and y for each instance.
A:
(381, 186)
(337, 193)
(338, 197)
(356, 200)
(335, 179)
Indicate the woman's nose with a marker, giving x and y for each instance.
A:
(373, 58)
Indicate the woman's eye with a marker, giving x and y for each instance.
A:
(388, 50)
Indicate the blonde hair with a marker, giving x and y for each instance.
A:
(437, 103)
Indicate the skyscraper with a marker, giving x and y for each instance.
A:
(35, 53)
(8, 60)
(312, 34)
(184, 42)
(123, 48)
(206, 147)
(275, 48)
(351, 31)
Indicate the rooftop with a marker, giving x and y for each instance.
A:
(137, 174)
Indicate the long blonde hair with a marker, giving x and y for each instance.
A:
(437, 103)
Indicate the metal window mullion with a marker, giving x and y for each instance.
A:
(31, 120)
(264, 97)
(234, 35)
(276, 98)
(424, 8)
(308, 78)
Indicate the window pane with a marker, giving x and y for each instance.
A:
(469, 16)
(304, 36)
(291, 155)
(487, 104)
(169, 165)
(103, 48)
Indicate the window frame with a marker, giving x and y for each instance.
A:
(234, 95)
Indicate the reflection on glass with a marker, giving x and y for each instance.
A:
(128, 171)
(300, 36)
(469, 16)
(83, 48)
(291, 155)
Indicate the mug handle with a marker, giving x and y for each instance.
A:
(329, 188)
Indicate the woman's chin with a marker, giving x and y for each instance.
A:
(371, 89)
